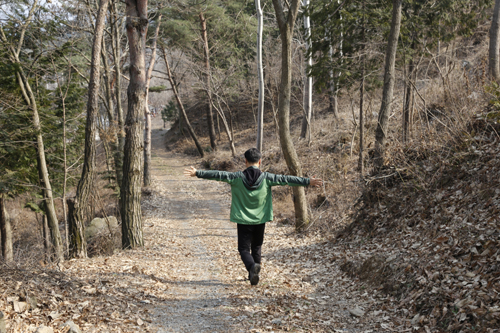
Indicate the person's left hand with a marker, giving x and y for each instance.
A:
(315, 182)
(191, 172)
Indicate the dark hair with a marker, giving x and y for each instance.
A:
(253, 155)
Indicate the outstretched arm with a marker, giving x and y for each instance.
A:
(227, 177)
(293, 180)
(191, 172)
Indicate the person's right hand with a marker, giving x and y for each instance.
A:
(191, 172)
(315, 182)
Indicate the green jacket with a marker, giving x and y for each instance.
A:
(251, 201)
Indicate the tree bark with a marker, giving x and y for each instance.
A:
(5, 232)
(407, 112)
(210, 117)
(494, 55)
(46, 238)
(147, 130)
(118, 95)
(78, 244)
(388, 90)
(137, 26)
(260, 105)
(335, 78)
(306, 120)
(50, 211)
(65, 159)
(180, 105)
(286, 25)
(113, 126)
(333, 95)
(362, 97)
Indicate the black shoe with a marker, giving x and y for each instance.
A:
(254, 274)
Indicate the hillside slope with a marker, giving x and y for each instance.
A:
(429, 235)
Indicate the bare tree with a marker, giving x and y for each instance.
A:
(180, 105)
(260, 105)
(494, 55)
(65, 159)
(388, 90)
(306, 120)
(30, 99)
(218, 107)
(409, 95)
(362, 94)
(131, 213)
(116, 45)
(80, 205)
(147, 129)
(206, 50)
(286, 25)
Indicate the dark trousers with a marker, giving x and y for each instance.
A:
(250, 238)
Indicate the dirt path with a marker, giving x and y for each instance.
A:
(189, 277)
(301, 286)
(186, 216)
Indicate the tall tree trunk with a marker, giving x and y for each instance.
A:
(115, 43)
(335, 77)
(65, 158)
(362, 96)
(114, 142)
(137, 26)
(286, 25)
(306, 120)
(332, 87)
(260, 105)
(494, 55)
(46, 237)
(81, 203)
(5, 232)
(147, 130)
(390, 62)
(43, 172)
(408, 101)
(206, 50)
(180, 105)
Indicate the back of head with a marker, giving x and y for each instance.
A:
(253, 155)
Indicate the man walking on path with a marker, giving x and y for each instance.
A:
(251, 204)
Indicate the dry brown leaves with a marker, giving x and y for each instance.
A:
(440, 248)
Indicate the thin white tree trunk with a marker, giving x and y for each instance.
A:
(306, 120)
(65, 159)
(334, 82)
(341, 49)
(333, 94)
(260, 113)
